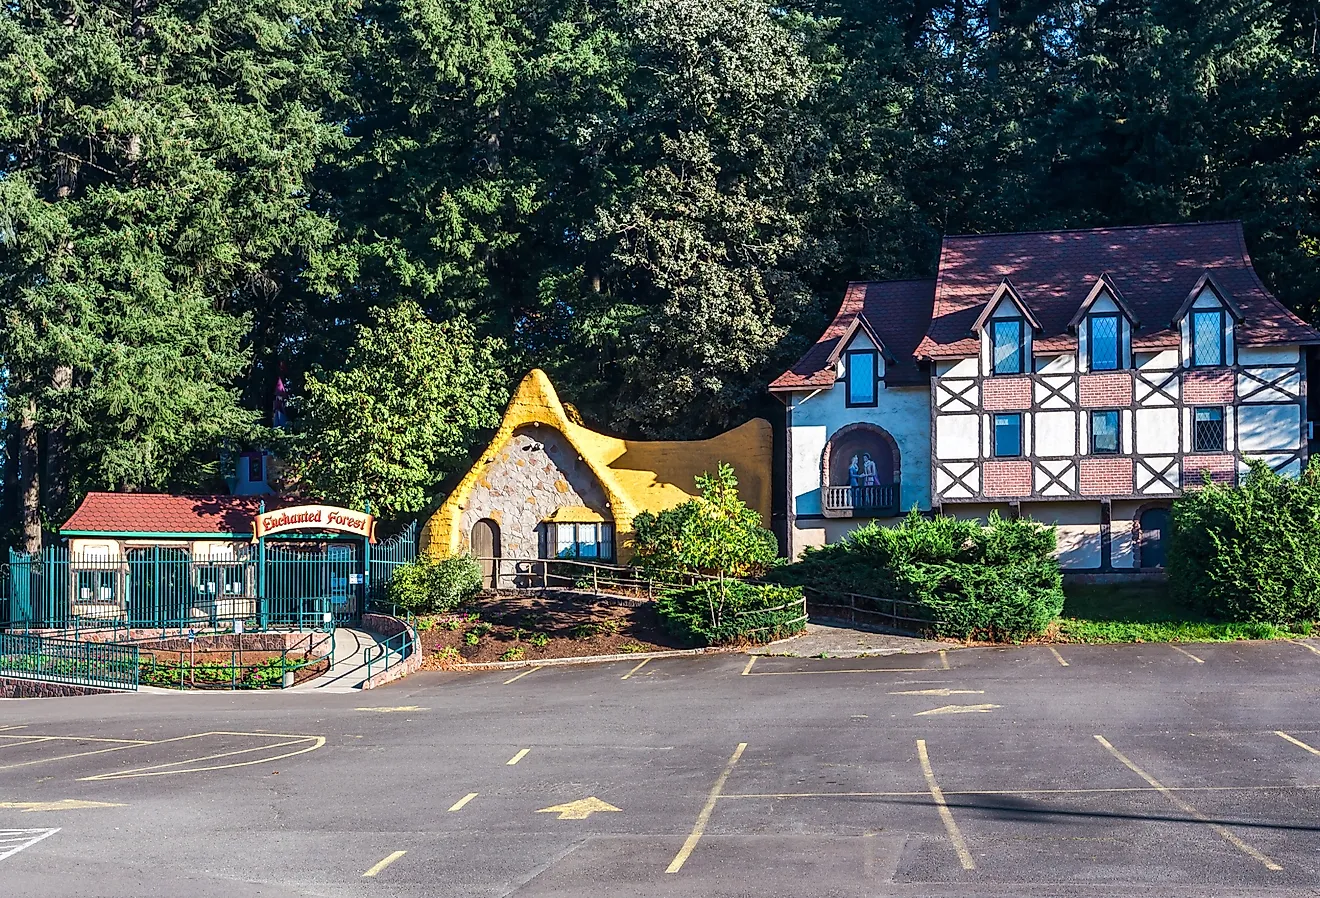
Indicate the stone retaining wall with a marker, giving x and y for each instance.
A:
(387, 626)
(15, 687)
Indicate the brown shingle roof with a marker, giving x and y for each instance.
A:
(898, 312)
(161, 513)
(1154, 266)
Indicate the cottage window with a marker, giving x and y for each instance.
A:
(1104, 433)
(1102, 342)
(861, 373)
(1008, 346)
(1208, 430)
(1208, 338)
(592, 542)
(1008, 436)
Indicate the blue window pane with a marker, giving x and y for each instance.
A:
(1008, 435)
(1104, 343)
(1104, 432)
(1007, 339)
(861, 378)
(1207, 338)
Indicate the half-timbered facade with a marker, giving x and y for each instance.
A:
(1086, 378)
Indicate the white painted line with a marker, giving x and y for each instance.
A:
(639, 666)
(1185, 652)
(458, 805)
(12, 841)
(389, 859)
(1057, 656)
(958, 709)
(518, 757)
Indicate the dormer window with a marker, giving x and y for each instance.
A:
(860, 369)
(1208, 337)
(1102, 342)
(1008, 345)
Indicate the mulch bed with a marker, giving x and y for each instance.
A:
(507, 625)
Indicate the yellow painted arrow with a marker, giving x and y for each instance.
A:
(941, 692)
(958, 709)
(391, 710)
(580, 809)
(64, 804)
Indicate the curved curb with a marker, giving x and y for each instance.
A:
(596, 659)
(408, 665)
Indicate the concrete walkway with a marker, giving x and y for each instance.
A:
(841, 641)
(348, 670)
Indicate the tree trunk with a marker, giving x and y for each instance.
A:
(9, 496)
(57, 447)
(30, 477)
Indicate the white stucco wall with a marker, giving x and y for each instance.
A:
(902, 411)
(1267, 355)
(1157, 430)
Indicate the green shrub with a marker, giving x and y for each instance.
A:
(429, 585)
(999, 581)
(514, 654)
(715, 612)
(1249, 553)
(715, 534)
(540, 640)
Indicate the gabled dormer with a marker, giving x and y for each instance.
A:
(1104, 324)
(859, 360)
(1006, 327)
(1207, 322)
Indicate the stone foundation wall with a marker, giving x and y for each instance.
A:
(13, 687)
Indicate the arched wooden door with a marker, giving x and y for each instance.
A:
(486, 546)
(1154, 524)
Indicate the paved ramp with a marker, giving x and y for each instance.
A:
(348, 670)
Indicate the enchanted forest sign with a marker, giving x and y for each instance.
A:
(314, 517)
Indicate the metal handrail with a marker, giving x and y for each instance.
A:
(236, 669)
(386, 648)
(104, 665)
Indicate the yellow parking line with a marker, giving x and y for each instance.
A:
(530, 670)
(1306, 645)
(750, 662)
(159, 769)
(389, 859)
(704, 817)
(99, 751)
(1114, 790)
(635, 669)
(4, 745)
(1057, 656)
(1221, 831)
(458, 805)
(78, 739)
(518, 757)
(1185, 652)
(846, 670)
(955, 835)
(1298, 742)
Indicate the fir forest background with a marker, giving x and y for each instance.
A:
(343, 229)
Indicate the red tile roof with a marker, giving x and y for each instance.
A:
(898, 312)
(162, 513)
(1155, 267)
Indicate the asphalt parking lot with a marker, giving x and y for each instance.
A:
(1087, 771)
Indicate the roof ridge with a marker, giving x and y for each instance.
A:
(894, 281)
(1103, 228)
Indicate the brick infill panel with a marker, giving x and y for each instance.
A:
(1207, 387)
(1222, 468)
(1006, 394)
(1105, 477)
(1006, 478)
(1105, 390)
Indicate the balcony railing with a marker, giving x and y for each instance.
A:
(863, 501)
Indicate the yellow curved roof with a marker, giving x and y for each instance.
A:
(635, 475)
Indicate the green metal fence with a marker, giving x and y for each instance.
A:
(309, 583)
(98, 664)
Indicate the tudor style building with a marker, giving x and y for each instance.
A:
(1083, 378)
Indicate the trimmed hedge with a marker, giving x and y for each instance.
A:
(999, 581)
(716, 612)
(1249, 553)
(429, 585)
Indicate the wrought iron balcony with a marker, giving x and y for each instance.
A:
(879, 501)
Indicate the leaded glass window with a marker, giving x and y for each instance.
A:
(1009, 351)
(1208, 430)
(1208, 338)
(1102, 338)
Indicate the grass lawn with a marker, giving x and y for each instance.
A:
(1144, 612)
